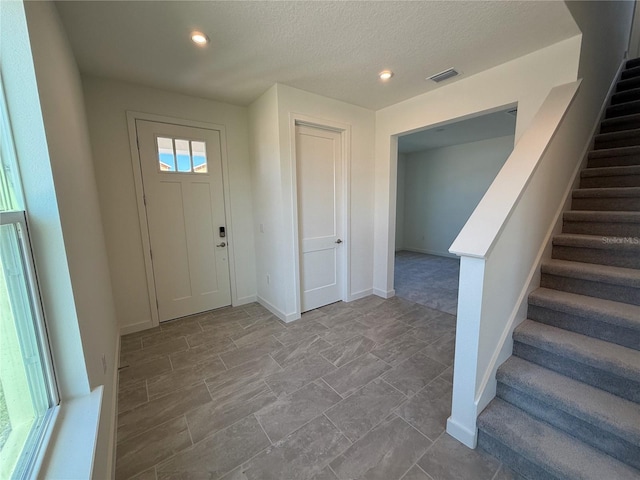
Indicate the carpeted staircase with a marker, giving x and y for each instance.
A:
(568, 400)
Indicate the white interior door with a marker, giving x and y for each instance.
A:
(184, 198)
(320, 210)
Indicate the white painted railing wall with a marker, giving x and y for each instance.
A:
(501, 247)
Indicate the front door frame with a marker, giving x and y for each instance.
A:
(142, 211)
(344, 130)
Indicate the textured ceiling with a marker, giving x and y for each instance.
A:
(498, 124)
(332, 48)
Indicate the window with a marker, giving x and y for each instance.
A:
(181, 156)
(27, 386)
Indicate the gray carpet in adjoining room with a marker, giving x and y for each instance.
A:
(429, 280)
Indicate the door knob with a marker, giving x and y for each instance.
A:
(338, 241)
(221, 245)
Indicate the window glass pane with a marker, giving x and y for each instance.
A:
(183, 155)
(25, 394)
(199, 152)
(166, 159)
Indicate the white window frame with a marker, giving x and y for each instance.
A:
(32, 454)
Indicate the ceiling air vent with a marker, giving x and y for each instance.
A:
(440, 77)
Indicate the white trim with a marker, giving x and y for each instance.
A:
(344, 129)
(136, 327)
(142, 212)
(245, 300)
(383, 293)
(360, 294)
(111, 454)
(285, 317)
(72, 445)
(462, 434)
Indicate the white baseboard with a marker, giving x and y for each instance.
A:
(290, 317)
(111, 455)
(359, 295)
(245, 300)
(285, 317)
(462, 434)
(384, 293)
(136, 327)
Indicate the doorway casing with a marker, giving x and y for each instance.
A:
(142, 212)
(345, 137)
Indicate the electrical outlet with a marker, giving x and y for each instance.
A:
(268, 279)
(104, 364)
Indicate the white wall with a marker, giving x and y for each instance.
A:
(61, 199)
(276, 249)
(524, 82)
(107, 102)
(400, 196)
(442, 188)
(267, 200)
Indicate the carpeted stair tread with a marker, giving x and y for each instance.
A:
(630, 73)
(593, 272)
(628, 84)
(625, 96)
(614, 152)
(602, 409)
(633, 62)
(628, 245)
(611, 192)
(616, 313)
(622, 109)
(610, 171)
(560, 455)
(601, 216)
(620, 123)
(633, 133)
(621, 361)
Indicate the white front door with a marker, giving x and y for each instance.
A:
(320, 210)
(184, 198)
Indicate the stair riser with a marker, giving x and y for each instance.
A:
(628, 85)
(601, 439)
(623, 109)
(620, 126)
(515, 461)
(614, 161)
(614, 258)
(610, 181)
(618, 293)
(586, 326)
(604, 229)
(630, 73)
(624, 141)
(634, 62)
(602, 379)
(626, 96)
(604, 204)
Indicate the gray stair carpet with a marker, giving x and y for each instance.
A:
(567, 403)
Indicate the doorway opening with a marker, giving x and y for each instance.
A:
(443, 173)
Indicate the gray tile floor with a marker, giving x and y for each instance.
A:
(429, 280)
(350, 391)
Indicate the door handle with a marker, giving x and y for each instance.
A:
(338, 241)
(221, 245)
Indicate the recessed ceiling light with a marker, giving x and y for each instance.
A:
(385, 74)
(199, 38)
